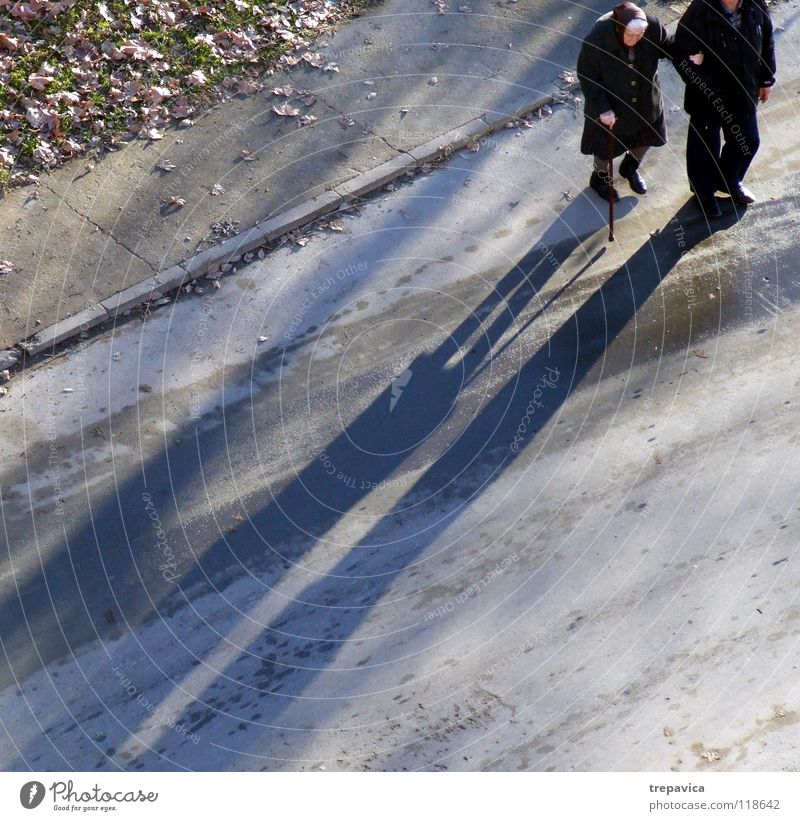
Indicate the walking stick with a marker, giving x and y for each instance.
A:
(610, 185)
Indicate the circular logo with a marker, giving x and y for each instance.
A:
(31, 794)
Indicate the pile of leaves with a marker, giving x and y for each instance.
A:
(78, 74)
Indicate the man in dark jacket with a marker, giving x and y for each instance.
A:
(617, 69)
(725, 53)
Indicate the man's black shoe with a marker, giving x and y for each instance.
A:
(599, 182)
(629, 168)
(709, 206)
(742, 195)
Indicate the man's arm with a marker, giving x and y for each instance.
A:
(767, 65)
(688, 41)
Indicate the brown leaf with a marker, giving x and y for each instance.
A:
(197, 78)
(248, 87)
(286, 110)
(39, 81)
(151, 134)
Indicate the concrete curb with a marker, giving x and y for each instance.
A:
(214, 258)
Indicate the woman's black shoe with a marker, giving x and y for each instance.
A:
(599, 182)
(629, 168)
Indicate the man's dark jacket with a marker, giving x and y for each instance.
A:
(609, 82)
(736, 62)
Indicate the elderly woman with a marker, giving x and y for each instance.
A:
(618, 73)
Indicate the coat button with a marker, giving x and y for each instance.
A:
(633, 82)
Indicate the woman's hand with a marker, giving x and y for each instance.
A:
(763, 93)
(697, 59)
(608, 118)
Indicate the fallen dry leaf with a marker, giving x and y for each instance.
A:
(113, 77)
(197, 78)
(151, 134)
(286, 110)
(248, 87)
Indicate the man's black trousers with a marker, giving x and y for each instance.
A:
(712, 166)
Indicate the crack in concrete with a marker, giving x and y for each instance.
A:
(100, 228)
(367, 128)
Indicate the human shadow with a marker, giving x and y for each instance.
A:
(291, 651)
(114, 570)
(120, 565)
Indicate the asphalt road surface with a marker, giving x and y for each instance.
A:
(456, 485)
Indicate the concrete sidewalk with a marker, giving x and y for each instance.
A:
(99, 237)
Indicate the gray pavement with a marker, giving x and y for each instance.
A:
(407, 75)
(462, 486)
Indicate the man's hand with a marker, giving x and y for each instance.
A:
(763, 93)
(697, 59)
(608, 118)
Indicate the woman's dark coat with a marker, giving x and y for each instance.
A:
(736, 62)
(611, 81)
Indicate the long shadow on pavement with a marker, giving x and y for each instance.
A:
(291, 651)
(373, 446)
